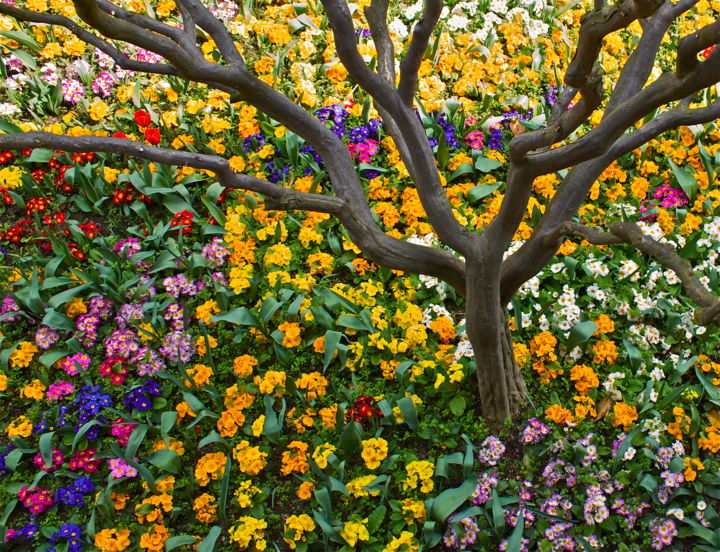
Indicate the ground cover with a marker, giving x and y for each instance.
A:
(183, 368)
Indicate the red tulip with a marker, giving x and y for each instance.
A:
(152, 136)
(142, 118)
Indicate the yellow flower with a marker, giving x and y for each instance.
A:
(354, 531)
(19, 427)
(419, 472)
(10, 177)
(23, 355)
(250, 459)
(98, 110)
(321, 453)
(296, 527)
(295, 459)
(210, 466)
(625, 414)
(3, 382)
(249, 529)
(356, 487)
(206, 310)
(584, 378)
(374, 451)
(34, 390)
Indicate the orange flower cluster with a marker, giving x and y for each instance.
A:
(154, 540)
(151, 509)
(542, 347)
(584, 378)
(210, 466)
(295, 459)
(712, 441)
(558, 414)
(605, 352)
(205, 510)
(112, 540)
(314, 383)
(624, 415)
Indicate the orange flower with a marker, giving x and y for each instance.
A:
(558, 414)
(625, 415)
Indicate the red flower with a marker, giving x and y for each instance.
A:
(706, 53)
(184, 220)
(90, 229)
(152, 136)
(142, 118)
(119, 135)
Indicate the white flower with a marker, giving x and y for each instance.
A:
(397, 27)
(629, 453)
(653, 395)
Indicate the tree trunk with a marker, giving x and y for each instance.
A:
(501, 386)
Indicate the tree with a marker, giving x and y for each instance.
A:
(486, 280)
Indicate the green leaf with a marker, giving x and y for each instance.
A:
(465, 168)
(271, 428)
(633, 353)
(269, 307)
(212, 437)
(354, 322)
(451, 499)
(710, 388)
(485, 164)
(483, 190)
(179, 540)
(54, 319)
(46, 448)
(686, 180)
(208, 543)
(240, 316)
(81, 433)
(167, 421)
(332, 340)
(63, 297)
(225, 487)
(497, 512)
(166, 459)
(375, 519)
(8, 128)
(408, 411)
(515, 539)
(135, 440)
(581, 333)
(51, 357)
(350, 438)
(457, 405)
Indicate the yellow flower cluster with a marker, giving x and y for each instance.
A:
(271, 382)
(584, 378)
(206, 310)
(154, 540)
(247, 530)
(314, 383)
(210, 466)
(404, 543)
(20, 427)
(200, 373)
(23, 355)
(151, 509)
(354, 531)
(419, 472)
(205, 509)
(11, 177)
(356, 487)
(558, 414)
(230, 422)
(244, 364)
(34, 390)
(295, 459)
(321, 453)
(605, 352)
(413, 511)
(291, 334)
(250, 459)
(296, 528)
(112, 540)
(374, 451)
(624, 415)
(244, 493)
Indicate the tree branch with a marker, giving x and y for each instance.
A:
(410, 64)
(666, 121)
(118, 57)
(564, 124)
(666, 255)
(216, 29)
(376, 15)
(596, 25)
(691, 45)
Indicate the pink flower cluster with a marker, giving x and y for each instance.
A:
(475, 139)
(119, 468)
(57, 459)
(121, 430)
(669, 196)
(58, 390)
(36, 499)
(72, 363)
(364, 150)
(85, 460)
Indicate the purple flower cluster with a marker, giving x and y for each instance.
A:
(70, 533)
(128, 247)
(103, 84)
(46, 336)
(178, 347)
(121, 344)
(90, 401)
(140, 398)
(491, 451)
(8, 306)
(175, 286)
(214, 252)
(460, 533)
(486, 482)
(559, 470)
(148, 362)
(595, 510)
(534, 432)
(662, 532)
(73, 90)
(74, 494)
